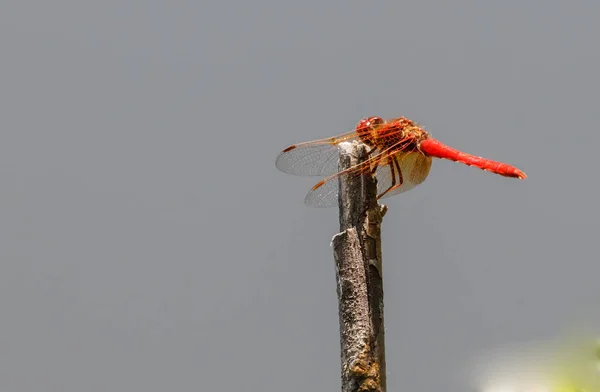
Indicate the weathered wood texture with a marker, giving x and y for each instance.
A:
(357, 253)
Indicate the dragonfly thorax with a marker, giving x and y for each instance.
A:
(375, 132)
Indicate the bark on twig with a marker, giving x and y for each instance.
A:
(357, 252)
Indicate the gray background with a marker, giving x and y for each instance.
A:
(148, 243)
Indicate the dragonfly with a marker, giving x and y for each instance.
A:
(400, 154)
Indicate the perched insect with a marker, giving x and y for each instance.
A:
(400, 155)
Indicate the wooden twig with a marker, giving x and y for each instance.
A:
(357, 253)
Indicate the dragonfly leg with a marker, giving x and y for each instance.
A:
(389, 190)
(376, 164)
(394, 167)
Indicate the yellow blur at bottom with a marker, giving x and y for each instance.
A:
(572, 365)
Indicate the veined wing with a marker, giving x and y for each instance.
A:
(413, 169)
(314, 158)
(391, 164)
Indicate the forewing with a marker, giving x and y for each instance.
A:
(316, 158)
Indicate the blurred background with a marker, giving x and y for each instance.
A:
(149, 243)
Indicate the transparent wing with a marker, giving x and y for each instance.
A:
(325, 193)
(315, 158)
(396, 172)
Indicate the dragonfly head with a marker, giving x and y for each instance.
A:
(365, 128)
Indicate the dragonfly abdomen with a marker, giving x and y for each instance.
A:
(434, 148)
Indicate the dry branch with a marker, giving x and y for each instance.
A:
(357, 252)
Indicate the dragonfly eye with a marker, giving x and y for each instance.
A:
(364, 128)
(368, 123)
(375, 121)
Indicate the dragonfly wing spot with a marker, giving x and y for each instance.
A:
(318, 185)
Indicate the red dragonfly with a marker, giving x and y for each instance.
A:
(400, 155)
